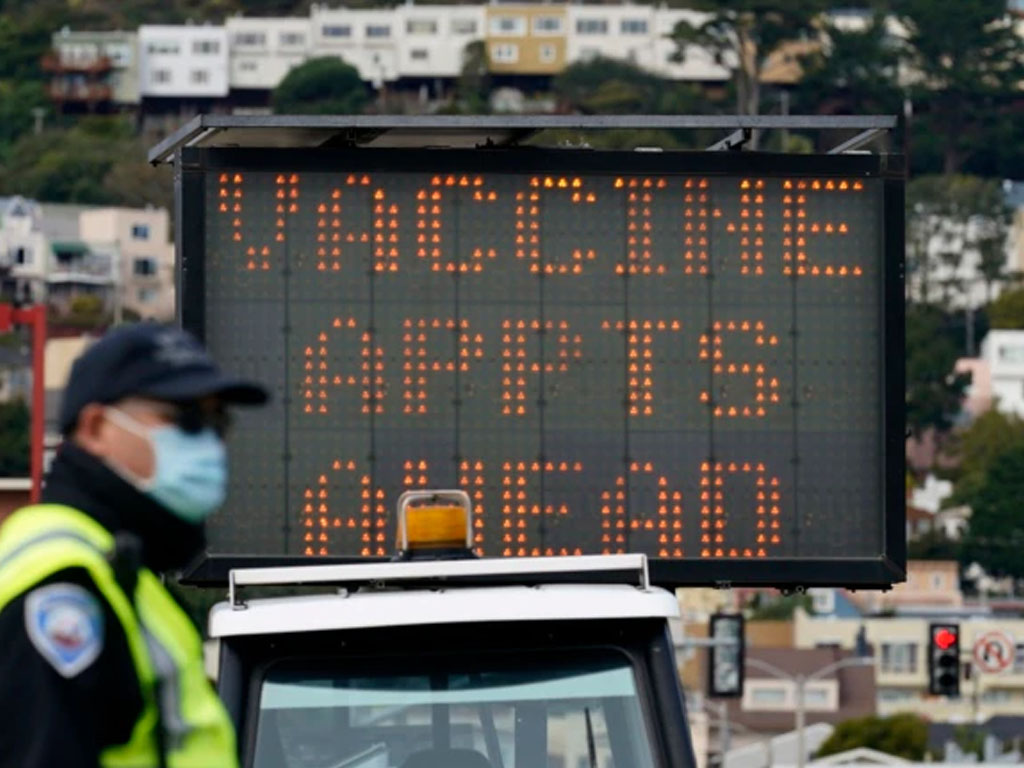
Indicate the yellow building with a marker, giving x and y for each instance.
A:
(901, 663)
(526, 39)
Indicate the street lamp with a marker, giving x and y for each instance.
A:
(800, 681)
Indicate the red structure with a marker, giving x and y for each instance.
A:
(34, 316)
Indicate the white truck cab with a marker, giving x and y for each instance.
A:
(452, 663)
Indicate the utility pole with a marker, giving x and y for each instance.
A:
(38, 113)
(801, 716)
(724, 736)
(800, 683)
(34, 316)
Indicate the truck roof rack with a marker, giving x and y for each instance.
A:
(582, 569)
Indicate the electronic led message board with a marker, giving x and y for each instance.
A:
(696, 356)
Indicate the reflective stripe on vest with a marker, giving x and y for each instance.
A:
(37, 542)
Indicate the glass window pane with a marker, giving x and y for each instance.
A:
(485, 711)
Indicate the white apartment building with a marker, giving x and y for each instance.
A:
(113, 56)
(141, 238)
(1002, 354)
(435, 38)
(409, 41)
(263, 50)
(639, 34)
(189, 61)
(24, 246)
(366, 39)
(55, 253)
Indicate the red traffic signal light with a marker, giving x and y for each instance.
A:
(944, 660)
(945, 638)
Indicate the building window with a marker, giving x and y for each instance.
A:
(817, 698)
(937, 581)
(206, 46)
(160, 76)
(548, 53)
(250, 39)
(22, 256)
(336, 30)
(547, 25)
(765, 696)
(421, 27)
(633, 27)
(1011, 354)
(199, 77)
(378, 30)
(147, 295)
(292, 39)
(119, 55)
(508, 26)
(140, 231)
(899, 658)
(144, 267)
(463, 26)
(895, 694)
(591, 26)
(997, 696)
(505, 53)
(247, 66)
(1018, 659)
(163, 48)
(419, 54)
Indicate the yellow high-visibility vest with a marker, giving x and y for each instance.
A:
(38, 541)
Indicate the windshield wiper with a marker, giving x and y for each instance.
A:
(591, 746)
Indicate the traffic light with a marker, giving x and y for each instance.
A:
(944, 659)
(725, 667)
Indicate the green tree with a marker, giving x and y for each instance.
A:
(1007, 312)
(854, 72)
(71, 165)
(903, 736)
(742, 34)
(17, 100)
(324, 86)
(970, 63)
(14, 433)
(473, 89)
(933, 545)
(934, 391)
(978, 447)
(777, 607)
(996, 533)
(604, 85)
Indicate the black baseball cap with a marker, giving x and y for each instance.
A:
(149, 360)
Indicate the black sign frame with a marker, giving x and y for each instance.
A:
(193, 164)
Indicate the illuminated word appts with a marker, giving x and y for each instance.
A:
(388, 379)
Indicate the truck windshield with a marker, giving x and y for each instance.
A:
(492, 711)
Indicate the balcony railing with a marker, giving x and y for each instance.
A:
(96, 269)
(55, 62)
(87, 92)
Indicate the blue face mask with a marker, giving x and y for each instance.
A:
(191, 476)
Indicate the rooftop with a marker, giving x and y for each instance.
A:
(417, 607)
(378, 131)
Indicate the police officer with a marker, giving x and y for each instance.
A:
(98, 664)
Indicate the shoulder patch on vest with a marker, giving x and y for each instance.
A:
(65, 624)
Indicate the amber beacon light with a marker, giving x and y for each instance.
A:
(435, 523)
